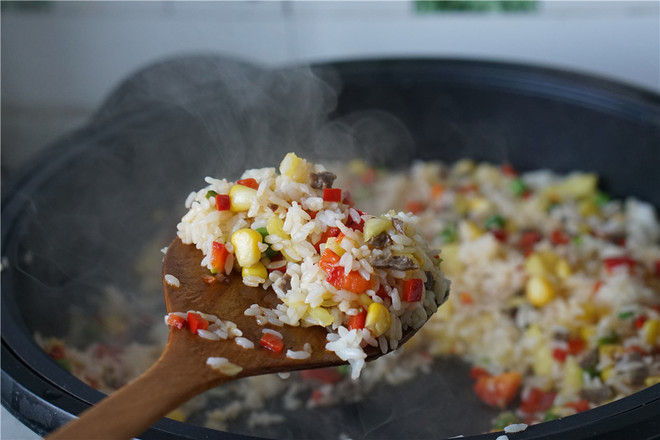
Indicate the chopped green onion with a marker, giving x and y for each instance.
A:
(449, 234)
(518, 187)
(494, 222)
(601, 199)
(592, 371)
(210, 193)
(505, 419)
(270, 252)
(64, 364)
(550, 415)
(624, 315)
(607, 340)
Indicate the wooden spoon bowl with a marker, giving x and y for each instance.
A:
(181, 372)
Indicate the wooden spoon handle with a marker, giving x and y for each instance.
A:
(132, 409)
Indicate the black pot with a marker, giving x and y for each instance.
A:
(80, 217)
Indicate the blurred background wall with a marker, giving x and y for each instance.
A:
(60, 59)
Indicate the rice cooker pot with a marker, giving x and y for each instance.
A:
(110, 186)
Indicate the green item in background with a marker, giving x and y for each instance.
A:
(475, 5)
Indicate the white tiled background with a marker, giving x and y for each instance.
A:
(60, 59)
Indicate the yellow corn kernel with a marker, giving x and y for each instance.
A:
(572, 376)
(651, 380)
(464, 166)
(320, 316)
(543, 361)
(562, 268)
(588, 207)
(609, 351)
(469, 230)
(579, 185)
(651, 330)
(587, 332)
(256, 270)
(461, 204)
(606, 373)
(246, 247)
(177, 415)
(241, 198)
(335, 246)
(364, 300)
(357, 166)
(295, 168)
(328, 300)
(275, 226)
(480, 205)
(535, 265)
(375, 226)
(546, 263)
(451, 265)
(488, 174)
(378, 319)
(539, 291)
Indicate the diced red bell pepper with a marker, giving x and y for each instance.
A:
(529, 238)
(222, 202)
(576, 345)
(354, 282)
(357, 321)
(412, 290)
(369, 175)
(639, 321)
(219, 254)
(356, 226)
(537, 400)
(323, 375)
(498, 390)
(508, 170)
(336, 276)
(558, 236)
(382, 292)
(272, 342)
(437, 191)
(176, 321)
(500, 235)
(466, 298)
(331, 195)
(414, 206)
(329, 260)
(612, 262)
(249, 182)
(57, 352)
(560, 354)
(196, 322)
(330, 232)
(476, 372)
(579, 405)
(209, 279)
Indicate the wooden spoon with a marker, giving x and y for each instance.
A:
(181, 372)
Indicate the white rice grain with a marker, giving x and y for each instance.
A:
(244, 342)
(172, 280)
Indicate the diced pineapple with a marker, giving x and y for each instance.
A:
(294, 167)
(375, 226)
